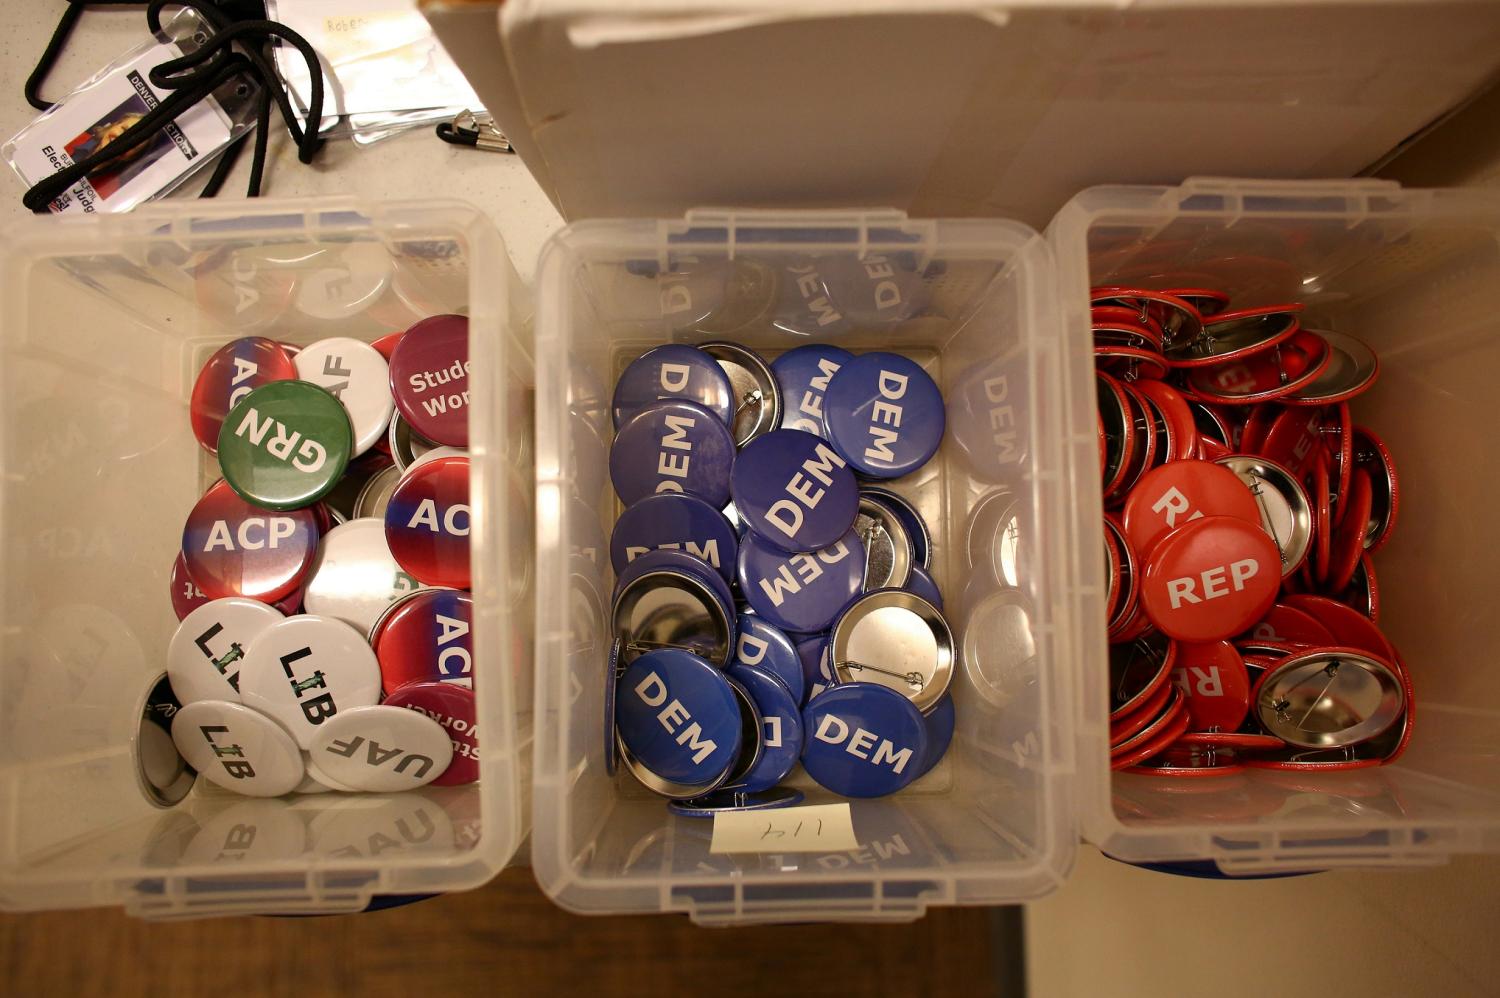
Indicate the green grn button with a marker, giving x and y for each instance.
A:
(285, 445)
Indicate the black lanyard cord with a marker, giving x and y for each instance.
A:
(193, 78)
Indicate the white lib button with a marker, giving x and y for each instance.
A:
(207, 651)
(306, 670)
(234, 747)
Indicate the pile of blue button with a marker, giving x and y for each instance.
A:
(773, 602)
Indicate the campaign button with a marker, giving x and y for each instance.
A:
(677, 522)
(906, 512)
(285, 445)
(355, 578)
(757, 394)
(897, 640)
(452, 707)
(763, 646)
(235, 369)
(862, 740)
(429, 379)
(235, 748)
(1350, 627)
(721, 801)
(186, 596)
(382, 749)
(303, 670)
(204, 655)
(803, 374)
(940, 722)
(794, 491)
(673, 371)
(1348, 538)
(679, 720)
(386, 345)
(231, 548)
(672, 446)
(677, 561)
(1215, 683)
(780, 729)
(356, 374)
(873, 290)
(425, 636)
(884, 415)
(1284, 624)
(802, 592)
(804, 307)
(427, 522)
(817, 672)
(1210, 578)
(349, 281)
(1293, 439)
(668, 608)
(922, 584)
(1179, 492)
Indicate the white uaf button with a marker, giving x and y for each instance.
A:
(305, 670)
(382, 749)
(358, 376)
(236, 748)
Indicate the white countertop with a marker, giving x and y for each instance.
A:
(415, 164)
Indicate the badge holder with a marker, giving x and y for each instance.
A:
(196, 116)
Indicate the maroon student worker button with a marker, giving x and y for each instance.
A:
(231, 548)
(451, 706)
(235, 369)
(186, 596)
(430, 379)
(425, 637)
(427, 522)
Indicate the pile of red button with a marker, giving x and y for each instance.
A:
(1243, 505)
(322, 583)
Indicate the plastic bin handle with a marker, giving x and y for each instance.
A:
(1344, 187)
(711, 217)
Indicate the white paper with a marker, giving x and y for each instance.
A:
(381, 55)
(90, 119)
(810, 828)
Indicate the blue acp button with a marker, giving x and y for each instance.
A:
(763, 646)
(801, 592)
(673, 371)
(862, 740)
(884, 415)
(672, 446)
(679, 718)
(781, 728)
(677, 523)
(804, 374)
(794, 491)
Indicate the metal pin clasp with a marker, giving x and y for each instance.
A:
(913, 679)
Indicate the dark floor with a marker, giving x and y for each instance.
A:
(504, 939)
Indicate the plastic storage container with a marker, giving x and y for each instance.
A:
(993, 822)
(106, 322)
(1415, 274)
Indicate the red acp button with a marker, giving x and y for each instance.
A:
(1215, 683)
(451, 706)
(231, 548)
(1181, 491)
(1211, 578)
(427, 522)
(425, 637)
(235, 369)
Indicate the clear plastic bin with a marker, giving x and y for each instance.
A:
(993, 822)
(1415, 274)
(106, 322)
